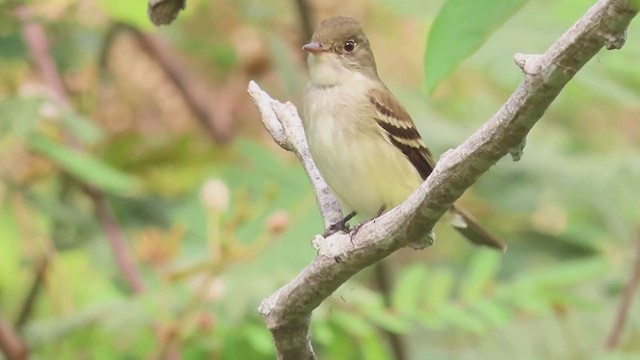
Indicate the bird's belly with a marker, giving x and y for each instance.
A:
(364, 171)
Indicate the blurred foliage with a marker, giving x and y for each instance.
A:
(214, 228)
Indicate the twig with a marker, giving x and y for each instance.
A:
(10, 343)
(382, 274)
(117, 242)
(36, 40)
(304, 13)
(27, 305)
(37, 44)
(625, 303)
(170, 343)
(40, 254)
(287, 312)
(211, 117)
(220, 131)
(284, 125)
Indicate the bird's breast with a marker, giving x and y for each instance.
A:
(362, 168)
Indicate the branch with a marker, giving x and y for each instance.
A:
(26, 309)
(284, 125)
(287, 312)
(36, 41)
(10, 343)
(220, 130)
(382, 277)
(116, 241)
(305, 15)
(625, 302)
(214, 114)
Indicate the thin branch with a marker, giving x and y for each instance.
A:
(26, 309)
(284, 125)
(214, 117)
(10, 343)
(38, 46)
(382, 275)
(117, 242)
(287, 312)
(220, 131)
(625, 303)
(306, 22)
(35, 39)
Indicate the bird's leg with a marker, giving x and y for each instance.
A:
(340, 225)
(359, 225)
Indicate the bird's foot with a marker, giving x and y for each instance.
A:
(340, 225)
(357, 228)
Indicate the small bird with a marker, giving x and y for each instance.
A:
(361, 138)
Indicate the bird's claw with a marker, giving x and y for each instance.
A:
(354, 231)
(340, 225)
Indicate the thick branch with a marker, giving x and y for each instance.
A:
(288, 311)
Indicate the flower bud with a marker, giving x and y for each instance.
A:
(278, 222)
(215, 195)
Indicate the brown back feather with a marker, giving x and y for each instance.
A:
(401, 130)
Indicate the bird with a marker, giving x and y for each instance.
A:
(362, 140)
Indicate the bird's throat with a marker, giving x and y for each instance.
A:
(326, 69)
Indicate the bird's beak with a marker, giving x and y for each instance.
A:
(313, 47)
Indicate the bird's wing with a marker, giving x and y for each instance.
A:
(400, 130)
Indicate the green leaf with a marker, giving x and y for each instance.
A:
(322, 332)
(259, 338)
(81, 127)
(388, 321)
(83, 166)
(374, 349)
(352, 324)
(491, 311)
(430, 320)
(409, 289)
(570, 273)
(460, 28)
(439, 289)
(19, 115)
(483, 268)
(342, 347)
(532, 302)
(11, 43)
(461, 318)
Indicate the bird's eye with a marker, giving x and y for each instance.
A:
(349, 45)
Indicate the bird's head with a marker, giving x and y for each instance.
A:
(337, 48)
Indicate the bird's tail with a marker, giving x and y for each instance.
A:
(466, 225)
